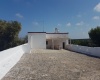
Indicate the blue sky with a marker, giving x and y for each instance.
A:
(76, 17)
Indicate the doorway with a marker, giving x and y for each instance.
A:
(63, 45)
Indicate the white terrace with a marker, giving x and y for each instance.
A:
(40, 42)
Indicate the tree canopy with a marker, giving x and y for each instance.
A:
(9, 31)
(82, 42)
(94, 35)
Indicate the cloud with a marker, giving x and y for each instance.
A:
(68, 24)
(80, 23)
(59, 25)
(35, 23)
(79, 15)
(19, 15)
(96, 17)
(97, 7)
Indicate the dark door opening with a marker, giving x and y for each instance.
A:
(63, 45)
(46, 42)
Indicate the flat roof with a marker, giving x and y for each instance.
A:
(47, 33)
(56, 33)
(36, 32)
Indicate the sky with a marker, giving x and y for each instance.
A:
(76, 17)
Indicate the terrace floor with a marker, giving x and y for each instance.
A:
(55, 65)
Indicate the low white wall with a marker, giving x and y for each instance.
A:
(9, 57)
(93, 51)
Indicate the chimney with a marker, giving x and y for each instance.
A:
(56, 30)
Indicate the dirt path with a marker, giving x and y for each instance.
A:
(55, 65)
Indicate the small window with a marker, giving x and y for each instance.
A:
(46, 42)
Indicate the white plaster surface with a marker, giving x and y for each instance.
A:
(37, 40)
(94, 51)
(56, 42)
(9, 57)
(51, 36)
(58, 39)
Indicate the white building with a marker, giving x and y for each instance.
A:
(43, 40)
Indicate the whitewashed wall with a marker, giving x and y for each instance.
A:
(60, 43)
(9, 57)
(37, 40)
(58, 38)
(93, 51)
(56, 43)
(56, 35)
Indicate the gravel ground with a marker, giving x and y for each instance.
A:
(55, 65)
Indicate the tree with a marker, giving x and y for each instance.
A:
(9, 31)
(82, 42)
(23, 40)
(94, 35)
(26, 39)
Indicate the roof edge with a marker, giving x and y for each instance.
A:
(48, 33)
(57, 33)
(36, 32)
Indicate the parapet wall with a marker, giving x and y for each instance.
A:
(93, 51)
(9, 57)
